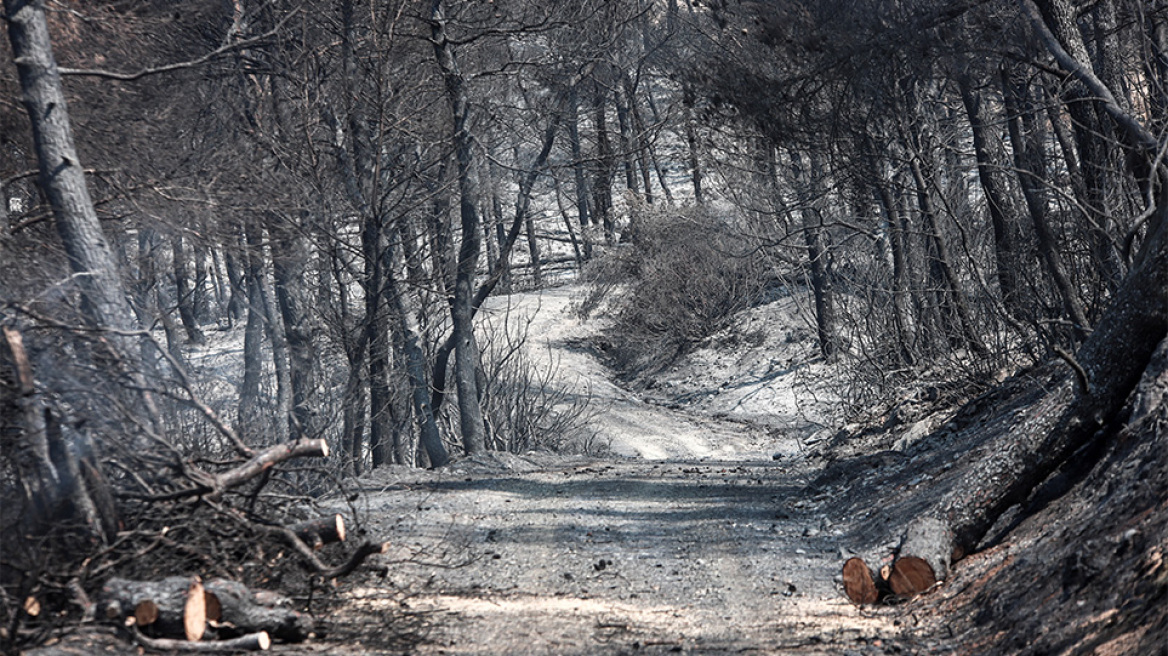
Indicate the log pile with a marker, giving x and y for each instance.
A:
(921, 561)
(183, 613)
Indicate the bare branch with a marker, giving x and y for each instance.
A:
(192, 63)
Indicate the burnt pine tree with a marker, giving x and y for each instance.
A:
(62, 180)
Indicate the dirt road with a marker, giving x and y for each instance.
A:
(692, 539)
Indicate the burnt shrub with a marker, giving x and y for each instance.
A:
(687, 273)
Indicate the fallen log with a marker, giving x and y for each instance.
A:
(923, 557)
(318, 532)
(250, 642)
(235, 609)
(1126, 347)
(174, 606)
(180, 606)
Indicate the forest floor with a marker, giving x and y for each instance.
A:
(692, 531)
(718, 517)
(716, 508)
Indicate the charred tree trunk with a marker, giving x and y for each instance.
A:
(251, 415)
(691, 138)
(602, 186)
(1001, 210)
(237, 304)
(1026, 137)
(415, 364)
(817, 254)
(583, 215)
(943, 261)
(902, 313)
(640, 136)
(1091, 136)
(377, 338)
(184, 294)
(62, 180)
(628, 161)
(474, 433)
(290, 260)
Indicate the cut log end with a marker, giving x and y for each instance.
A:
(214, 606)
(146, 613)
(318, 532)
(195, 612)
(859, 584)
(911, 576)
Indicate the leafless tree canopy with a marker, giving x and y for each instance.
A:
(238, 237)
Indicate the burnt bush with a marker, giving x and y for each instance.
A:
(688, 272)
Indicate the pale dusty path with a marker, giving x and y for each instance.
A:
(555, 556)
(693, 540)
(632, 427)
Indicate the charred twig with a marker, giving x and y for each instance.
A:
(250, 642)
(1080, 373)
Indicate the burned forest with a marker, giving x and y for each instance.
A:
(599, 327)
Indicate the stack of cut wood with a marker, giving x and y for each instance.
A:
(922, 561)
(183, 613)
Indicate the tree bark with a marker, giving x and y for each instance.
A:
(62, 180)
(174, 606)
(583, 215)
(605, 165)
(290, 260)
(184, 294)
(251, 417)
(691, 138)
(1091, 135)
(998, 202)
(943, 261)
(1030, 165)
(809, 173)
(474, 432)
